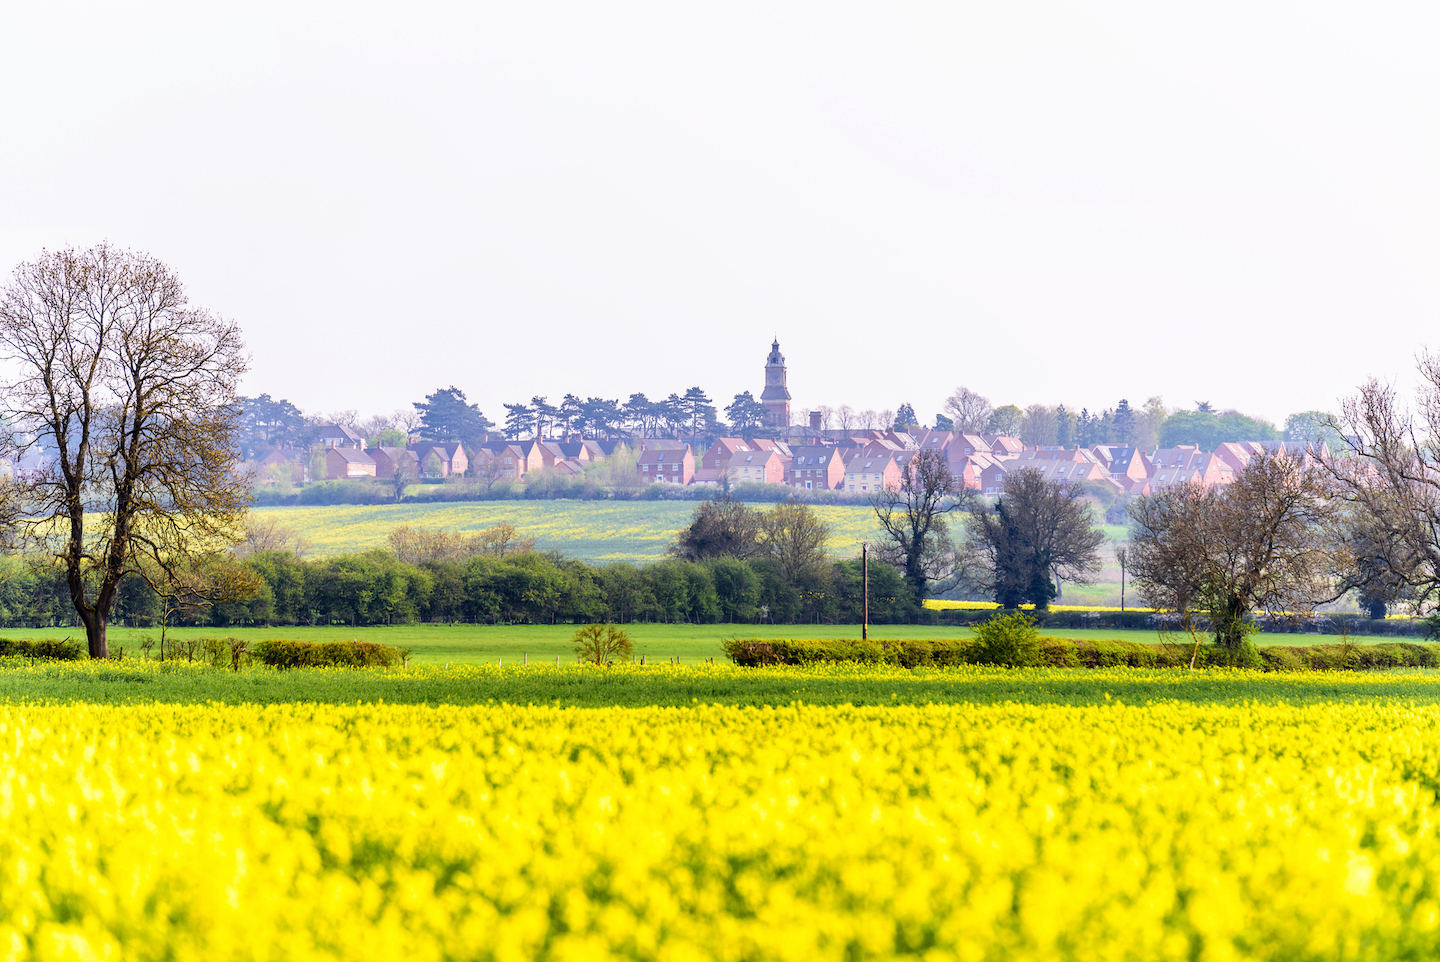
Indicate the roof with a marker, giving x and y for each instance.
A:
(351, 455)
(339, 431)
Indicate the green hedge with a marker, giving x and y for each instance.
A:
(1072, 653)
(279, 653)
(56, 649)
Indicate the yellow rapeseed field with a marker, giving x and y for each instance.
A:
(1015, 832)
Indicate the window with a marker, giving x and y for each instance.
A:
(807, 485)
(660, 456)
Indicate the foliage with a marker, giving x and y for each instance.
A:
(446, 416)
(722, 528)
(1007, 420)
(603, 644)
(265, 423)
(1209, 430)
(279, 653)
(747, 415)
(970, 411)
(1009, 640)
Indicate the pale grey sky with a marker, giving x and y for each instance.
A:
(1049, 202)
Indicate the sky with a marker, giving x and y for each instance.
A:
(1233, 202)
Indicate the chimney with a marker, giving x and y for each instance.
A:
(815, 421)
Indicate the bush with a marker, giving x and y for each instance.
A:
(602, 644)
(278, 653)
(55, 649)
(1010, 640)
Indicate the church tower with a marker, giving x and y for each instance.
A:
(776, 395)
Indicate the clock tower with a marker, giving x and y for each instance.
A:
(776, 396)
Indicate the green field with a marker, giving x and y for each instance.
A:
(543, 644)
(593, 531)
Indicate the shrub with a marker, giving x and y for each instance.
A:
(602, 644)
(55, 649)
(282, 653)
(1009, 640)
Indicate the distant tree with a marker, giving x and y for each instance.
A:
(674, 413)
(404, 474)
(795, 536)
(1208, 431)
(697, 402)
(942, 423)
(747, 415)
(1038, 533)
(719, 528)
(868, 420)
(970, 411)
(445, 416)
(546, 415)
(884, 419)
(265, 423)
(570, 412)
(1313, 426)
(1039, 427)
(1204, 407)
(845, 417)
(1065, 426)
(519, 421)
(1149, 426)
(1005, 421)
(905, 419)
(640, 412)
(1123, 424)
(388, 439)
(913, 518)
(601, 416)
(827, 416)
(602, 645)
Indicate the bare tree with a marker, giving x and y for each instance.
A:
(1040, 426)
(130, 392)
(845, 415)
(969, 411)
(1389, 484)
(267, 534)
(866, 419)
(827, 416)
(1038, 534)
(913, 518)
(795, 536)
(1264, 542)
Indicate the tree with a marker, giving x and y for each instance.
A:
(719, 528)
(971, 411)
(444, 416)
(1066, 426)
(570, 412)
(913, 519)
(1038, 534)
(696, 404)
(905, 419)
(1005, 421)
(795, 536)
(129, 391)
(602, 644)
(545, 415)
(747, 415)
(265, 422)
(942, 423)
(198, 584)
(1314, 426)
(519, 421)
(640, 411)
(1123, 423)
(1262, 542)
(1040, 426)
(1388, 481)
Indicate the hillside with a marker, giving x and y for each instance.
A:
(594, 531)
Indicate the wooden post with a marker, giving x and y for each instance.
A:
(865, 580)
(500, 662)
(527, 658)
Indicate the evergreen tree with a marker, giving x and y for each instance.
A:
(747, 415)
(445, 416)
(942, 423)
(519, 421)
(695, 404)
(1122, 424)
(905, 419)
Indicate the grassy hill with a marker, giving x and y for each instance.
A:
(593, 531)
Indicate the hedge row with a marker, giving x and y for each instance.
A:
(1144, 620)
(281, 653)
(1071, 653)
(53, 648)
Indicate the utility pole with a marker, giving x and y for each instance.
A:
(865, 580)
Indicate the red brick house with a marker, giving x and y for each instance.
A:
(666, 465)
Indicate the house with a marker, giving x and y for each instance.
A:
(816, 467)
(386, 459)
(346, 462)
(872, 472)
(440, 459)
(666, 465)
(339, 436)
(719, 454)
(756, 467)
(1126, 465)
(1187, 464)
(1002, 444)
(964, 445)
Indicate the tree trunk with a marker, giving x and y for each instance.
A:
(94, 623)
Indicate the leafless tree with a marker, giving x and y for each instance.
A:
(795, 536)
(969, 411)
(866, 419)
(845, 415)
(914, 521)
(887, 420)
(407, 421)
(267, 534)
(1389, 483)
(827, 416)
(1264, 542)
(131, 392)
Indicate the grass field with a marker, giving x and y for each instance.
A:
(593, 531)
(692, 644)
